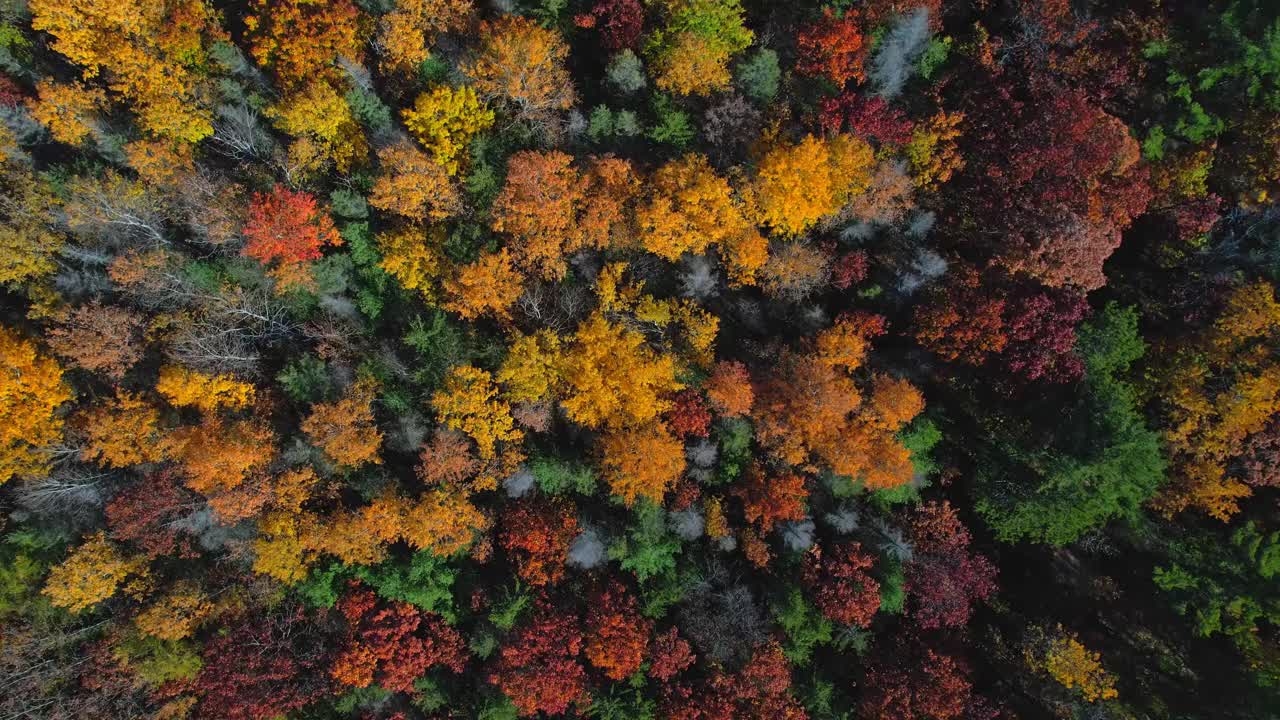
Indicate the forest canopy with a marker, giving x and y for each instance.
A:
(639, 359)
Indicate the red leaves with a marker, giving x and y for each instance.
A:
(870, 118)
(943, 579)
(539, 668)
(620, 22)
(670, 656)
(840, 586)
(617, 635)
(536, 533)
(917, 683)
(761, 690)
(394, 645)
(288, 227)
(146, 514)
(689, 415)
(263, 668)
(831, 47)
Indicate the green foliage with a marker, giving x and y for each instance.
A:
(758, 75)
(25, 558)
(439, 345)
(1102, 463)
(1227, 588)
(734, 436)
(671, 125)
(429, 695)
(626, 124)
(348, 203)
(933, 57)
(806, 628)
(625, 73)
(1153, 144)
(621, 705)
(648, 548)
(157, 662)
(369, 109)
(556, 476)
(305, 379)
(424, 581)
(663, 591)
(359, 698)
(506, 612)
(893, 594)
(600, 124)
(500, 708)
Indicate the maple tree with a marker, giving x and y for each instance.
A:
(301, 40)
(943, 579)
(263, 667)
(520, 66)
(121, 433)
(31, 389)
(345, 429)
(324, 126)
(670, 655)
(616, 635)
(920, 682)
(832, 47)
(176, 614)
(393, 645)
(488, 286)
(68, 110)
(468, 402)
(537, 534)
(687, 209)
(611, 378)
(99, 338)
(729, 389)
(842, 588)
(146, 514)
(767, 500)
(620, 22)
(642, 461)
(537, 206)
(92, 573)
(288, 228)
(1072, 665)
(183, 387)
(406, 33)
(538, 667)
(413, 185)
(797, 185)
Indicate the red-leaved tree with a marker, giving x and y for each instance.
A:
(840, 585)
(539, 668)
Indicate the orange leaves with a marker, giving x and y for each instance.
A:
(729, 389)
(832, 48)
(536, 533)
(488, 286)
(405, 33)
(812, 408)
(301, 40)
(767, 500)
(550, 208)
(537, 206)
(345, 429)
(122, 433)
(413, 185)
(219, 455)
(617, 635)
(521, 66)
(688, 208)
(642, 461)
(287, 227)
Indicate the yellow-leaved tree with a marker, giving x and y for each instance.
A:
(31, 389)
(183, 387)
(642, 461)
(122, 432)
(469, 402)
(688, 207)
(611, 377)
(445, 120)
(488, 286)
(92, 573)
(796, 185)
(413, 186)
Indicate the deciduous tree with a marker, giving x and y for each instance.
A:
(31, 389)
